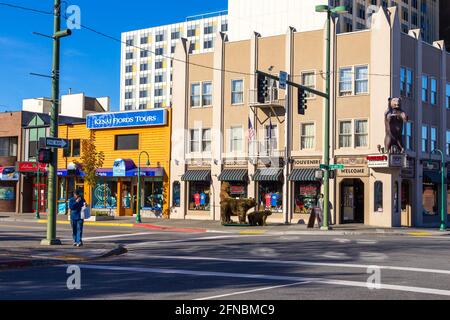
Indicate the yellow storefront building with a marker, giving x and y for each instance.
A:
(125, 138)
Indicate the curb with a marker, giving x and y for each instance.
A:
(34, 263)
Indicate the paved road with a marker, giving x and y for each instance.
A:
(207, 266)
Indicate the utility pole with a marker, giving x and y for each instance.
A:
(53, 167)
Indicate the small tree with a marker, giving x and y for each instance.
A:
(91, 160)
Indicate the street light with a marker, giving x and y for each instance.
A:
(330, 12)
(138, 216)
(443, 224)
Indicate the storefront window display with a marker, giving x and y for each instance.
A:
(7, 193)
(306, 196)
(153, 195)
(105, 194)
(176, 191)
(378, 196)
(271, 196)
(429, 199)
(199, 196)
(238, 190)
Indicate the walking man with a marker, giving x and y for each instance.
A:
(75, 205)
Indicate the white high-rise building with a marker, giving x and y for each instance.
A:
(146, 70)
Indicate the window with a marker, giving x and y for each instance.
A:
(127, 142)
(153, 197)
(434, 139)
(76, 148)
(143, 80)
(224, 27)
(144, 67)
(8, 147)
(206, 140)
(424, 89)
(192, 32)
(144, 40)
(199, 196)
(433, 91)
(129, 95)
(424, 139)
(159, 92)
(175, 35)
(408, 136)
(447, 95)
(194, 145)
(403, 81)
(159, 78)
(144, 53)
(158, 65)
(129, 55)
(128, 82)
(159, 51)
(236, 139)
(142, 106)
(159, 37)
(206, 94)
(361, 134)
(307, 136)
(130, 42)
(345, 134)
(176, 191)
(208, 44)
(409, 83)
(195, 95)
(361, 80)
(209, 29)
(448, 143)
(129, 69)
(237, 91)
(128, 107)
(105, 194)
(345, 82)
(143, 94)
(271, 138)
(192, 47)
(309, 80)
(378, 196)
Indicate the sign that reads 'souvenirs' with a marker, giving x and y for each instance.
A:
(145, 118)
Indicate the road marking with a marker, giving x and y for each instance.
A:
(266, 277)
(115, 236)
(252, 291)
(366, 242)
(342, 240)
(302, 263)
(420, 234)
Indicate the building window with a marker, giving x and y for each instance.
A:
(142, 106)
(434, 139)
(209, 29)
(408, 136)
(208, 44)
(128, 82)
(378, 196)
(192, 47)
(434, 96)
(143, 80)
(195, 95)
(144, 40)
(361, 80)
(199, 196)
(309, 80)
(194, 145)
(237, 91)
(144, 53)
(128, 107)
(176, 191)
(130, 42)
(144, 67)
(159, 78)
(345, 82)
(425, 139)
(159, 92)
(8, 147)
(105, 194)
(207, 94)
(126, 142)
(206, 140)
(224, 27)
(424, 89)
(129, 69)
(271, 138)
(159, 65)
(345, 134)
(192, 32)
(307, 136)
(159, 37)
(128, 95)
(129, 55)
(409, 83)
(236, 139)
(361, 134)
(175, 35)
(143, 94)
(159, 51)
(447, 95)
(448, 143)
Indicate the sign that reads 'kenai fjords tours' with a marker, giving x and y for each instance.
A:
(145, 118)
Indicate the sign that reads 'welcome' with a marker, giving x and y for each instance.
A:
(146, 118)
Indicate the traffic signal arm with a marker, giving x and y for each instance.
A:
(298, 86)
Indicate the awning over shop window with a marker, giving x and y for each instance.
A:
(432, 177)
(234, 175)
(306, 175)
(268, 175)
(197, 176)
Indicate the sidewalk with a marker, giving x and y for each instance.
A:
(202, 226)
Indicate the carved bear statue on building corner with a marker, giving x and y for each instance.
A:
(394, 120)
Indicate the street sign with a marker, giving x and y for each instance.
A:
(56, 143)
(283, 80)
(337, 167)
(324, 167)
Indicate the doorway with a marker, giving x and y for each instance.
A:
(406, 204)
(352, 201)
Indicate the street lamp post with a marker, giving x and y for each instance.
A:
(138, 216)
(443, 224)
(326, 185)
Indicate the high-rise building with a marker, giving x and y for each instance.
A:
(146, 65)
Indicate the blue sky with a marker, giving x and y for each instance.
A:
(89, 63)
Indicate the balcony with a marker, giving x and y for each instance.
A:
(265, 150)
(276, 99)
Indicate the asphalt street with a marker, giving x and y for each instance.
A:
(208, 266)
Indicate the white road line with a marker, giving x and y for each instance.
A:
(252, 291)
(128, 235)
(301, 263)
(267, 277)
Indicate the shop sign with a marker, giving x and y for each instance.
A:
(237, 190)
(9, 174)
(352, 161)
(379, 161)
(26, 167)
(354, 172)
(397, 161)
(307, 163)
(145, 118)
(121, 167)
(236, 163)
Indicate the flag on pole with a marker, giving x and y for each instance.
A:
(251, 131)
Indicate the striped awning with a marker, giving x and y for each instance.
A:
(306, 175)
(234, 175)
(197, 175)
(268, 175)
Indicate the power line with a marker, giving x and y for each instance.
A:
(14, 6)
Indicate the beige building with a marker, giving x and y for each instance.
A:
(221, 134)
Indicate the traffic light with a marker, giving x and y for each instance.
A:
(302, 102)
(45, 156)
(263, 89)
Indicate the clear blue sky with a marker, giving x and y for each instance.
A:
(89, 63)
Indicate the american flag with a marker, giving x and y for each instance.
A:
(251, 131)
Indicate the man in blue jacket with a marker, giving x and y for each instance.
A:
(75, 205)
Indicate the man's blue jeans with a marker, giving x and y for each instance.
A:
(77, 230)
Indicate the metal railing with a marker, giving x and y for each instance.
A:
(275, 98)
